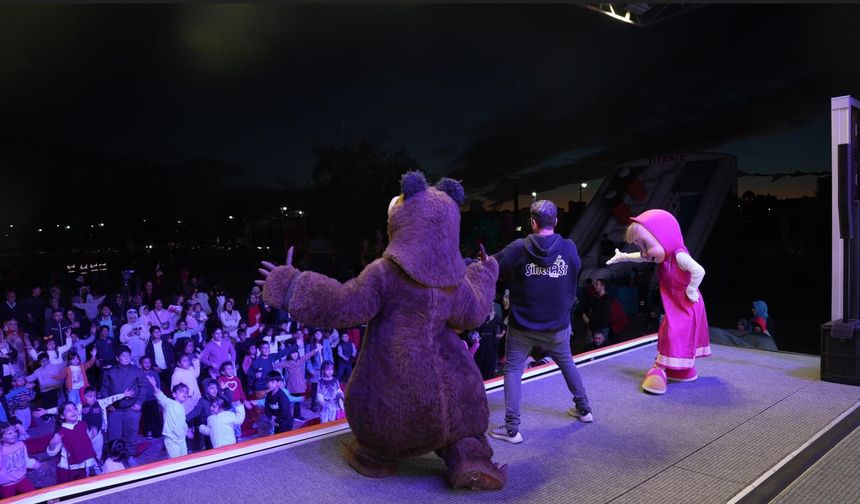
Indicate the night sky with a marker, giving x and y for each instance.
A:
(120, 109)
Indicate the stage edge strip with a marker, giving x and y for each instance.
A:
(788, 458)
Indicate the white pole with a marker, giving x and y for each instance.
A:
(840, 133)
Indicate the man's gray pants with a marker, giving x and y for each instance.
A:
(517, 348)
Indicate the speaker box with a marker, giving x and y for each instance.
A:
(840, 352)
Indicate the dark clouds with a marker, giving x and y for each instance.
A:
(222, 98)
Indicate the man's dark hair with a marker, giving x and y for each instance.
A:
(152, 329)
(122, 349)
(544, 213)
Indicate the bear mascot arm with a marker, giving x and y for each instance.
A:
(318, 300)
(475, 294)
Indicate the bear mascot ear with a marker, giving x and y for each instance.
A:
(453, 189)
(412, 183)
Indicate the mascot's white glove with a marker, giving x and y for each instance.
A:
(692, 294)
(624, 257)
(697, 273)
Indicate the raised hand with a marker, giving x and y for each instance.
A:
(482, 253)
(268, 267)
(618, 257)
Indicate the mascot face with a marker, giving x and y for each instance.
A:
(648, 245)
(657, 234)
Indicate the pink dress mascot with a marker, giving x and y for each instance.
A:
(683, 332)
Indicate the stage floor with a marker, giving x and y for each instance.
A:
(702, 442)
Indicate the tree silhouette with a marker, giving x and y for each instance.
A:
(353, 182)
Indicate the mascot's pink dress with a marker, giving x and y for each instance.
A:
(683, 332)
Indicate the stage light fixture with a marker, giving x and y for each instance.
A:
(641, 14)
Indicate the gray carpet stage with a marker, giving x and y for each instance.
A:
(702, 442)
(832, 479)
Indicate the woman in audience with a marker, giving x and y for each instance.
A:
(230, 319)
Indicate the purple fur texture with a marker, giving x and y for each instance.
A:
(453, 189)
(412, 183)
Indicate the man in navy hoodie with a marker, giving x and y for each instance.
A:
(544, 268)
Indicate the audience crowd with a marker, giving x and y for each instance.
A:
(88, 377)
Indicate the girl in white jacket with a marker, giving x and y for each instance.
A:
(220, 426)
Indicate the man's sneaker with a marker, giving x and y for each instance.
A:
(502, 432)
(583, 414)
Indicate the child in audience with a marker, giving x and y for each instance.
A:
(219, 425)
(345, 352)
(19, 398)
(245, 368)
(50, 380)
(329, 394)
(73, 444)
(117, 456)
(278, 403)
(201, 412)
(175, 429)
(93, 412)
(149, 405)
(14, 462)
(294, 366)
(187, 370)
(231, 388)
(76, 374)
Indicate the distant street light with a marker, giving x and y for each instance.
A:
(581, 187)
(230, 217)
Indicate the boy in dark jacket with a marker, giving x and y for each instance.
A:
(124, 415)
(278, 401)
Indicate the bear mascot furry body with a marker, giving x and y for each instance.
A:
(415, 388)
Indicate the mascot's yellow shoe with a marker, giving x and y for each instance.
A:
(655, 381)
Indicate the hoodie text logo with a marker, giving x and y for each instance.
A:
(558, 269)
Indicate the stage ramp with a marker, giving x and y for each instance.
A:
(708, 441)
(694, 187)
